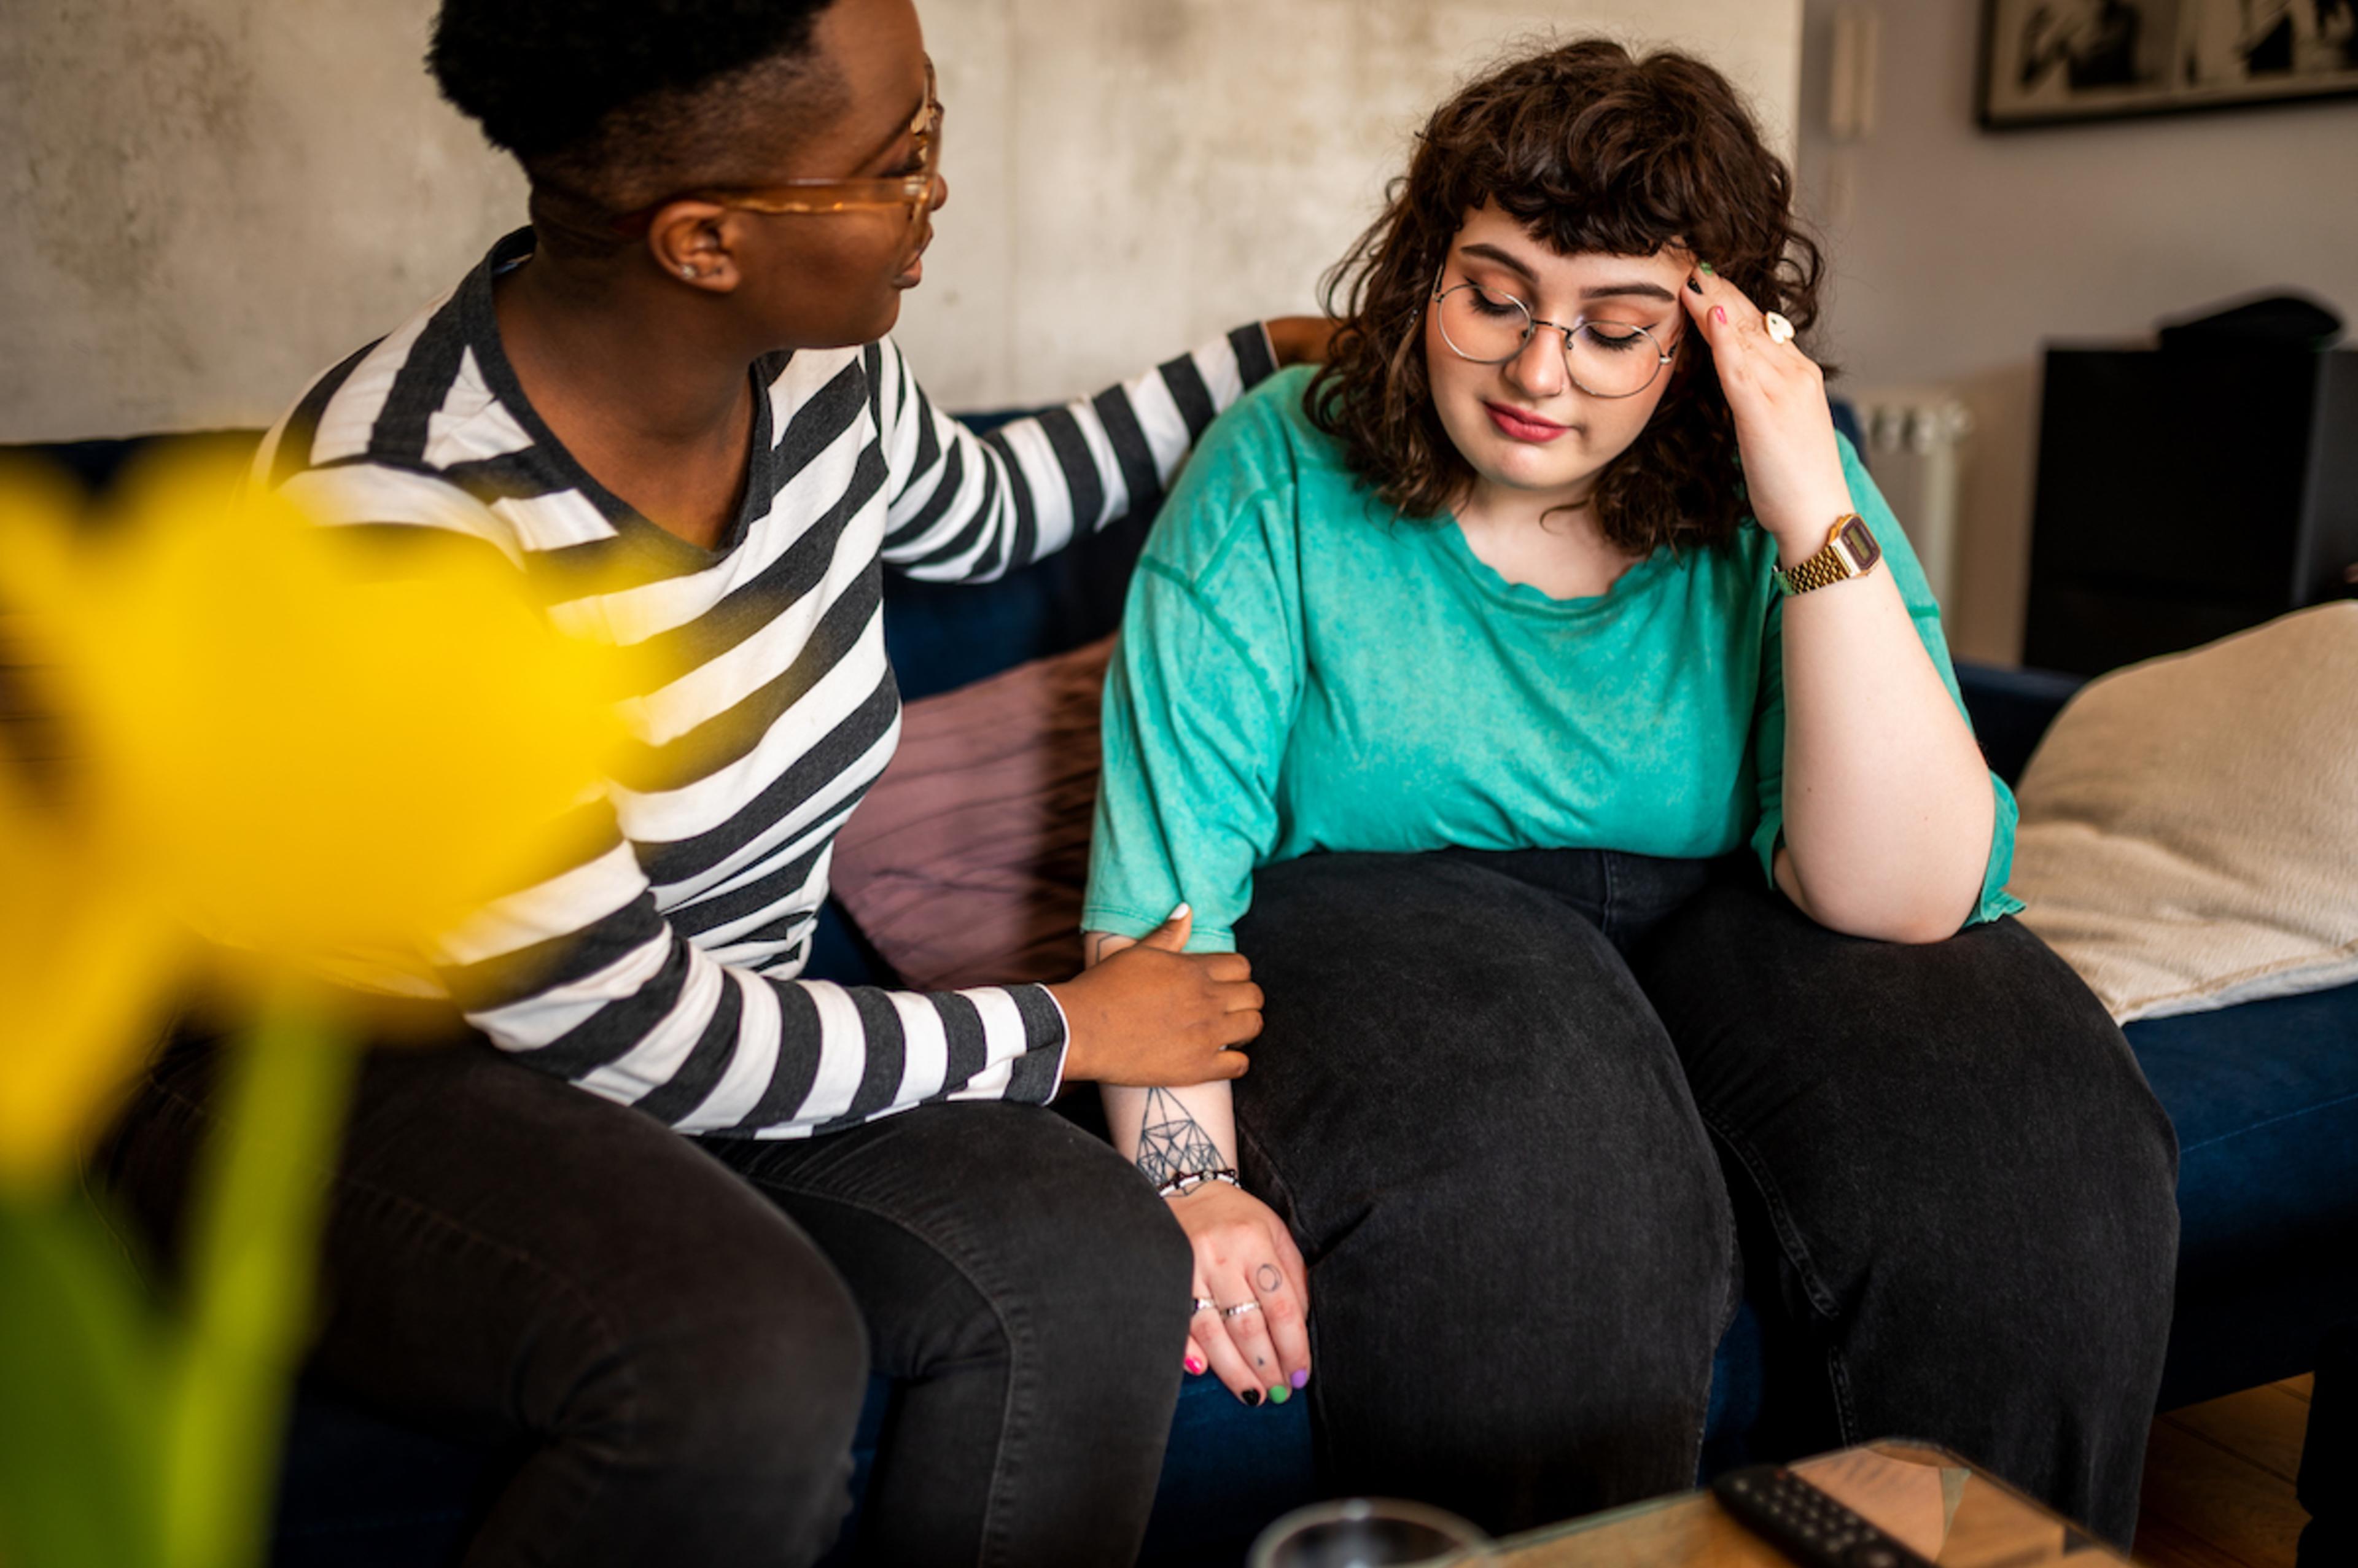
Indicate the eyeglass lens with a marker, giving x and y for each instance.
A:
(930, 152)
(928, 130)
(1606, 358)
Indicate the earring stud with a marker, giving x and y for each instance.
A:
(686, 269)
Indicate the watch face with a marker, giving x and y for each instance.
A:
(1858, 542)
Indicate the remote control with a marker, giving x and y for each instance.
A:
(1804, 1523)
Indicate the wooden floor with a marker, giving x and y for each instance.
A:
(2219, 1482)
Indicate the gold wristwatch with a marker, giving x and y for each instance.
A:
(1849, 551)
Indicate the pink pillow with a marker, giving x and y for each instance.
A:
(965, 863)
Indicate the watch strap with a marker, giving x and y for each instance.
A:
(1831, 562)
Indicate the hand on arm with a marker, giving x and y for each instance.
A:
(1158, 1015)
(1888, 805)
(1243, 1252)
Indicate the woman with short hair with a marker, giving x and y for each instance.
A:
(673, 405)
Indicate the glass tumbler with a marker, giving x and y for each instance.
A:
(1369, 1532)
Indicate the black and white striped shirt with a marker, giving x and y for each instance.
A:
(660, 971)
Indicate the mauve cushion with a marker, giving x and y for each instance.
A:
(965, 863)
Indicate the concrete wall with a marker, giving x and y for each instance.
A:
(211, 200)
(1128, 175)
(1958, 252)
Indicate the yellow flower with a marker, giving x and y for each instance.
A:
(81, 956)
(300, 742)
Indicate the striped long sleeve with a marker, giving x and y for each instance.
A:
(964, 508)
(663, 970)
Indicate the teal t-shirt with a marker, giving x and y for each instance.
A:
(1299, 670)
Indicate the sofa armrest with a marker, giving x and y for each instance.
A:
(2011, 708)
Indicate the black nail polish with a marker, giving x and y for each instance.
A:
(1250, 1396)
(1693, 286)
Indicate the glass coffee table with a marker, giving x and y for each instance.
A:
(1949, 1511)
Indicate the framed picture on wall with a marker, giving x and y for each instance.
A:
(2047, 63)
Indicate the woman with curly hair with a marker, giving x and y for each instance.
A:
(1544, 699)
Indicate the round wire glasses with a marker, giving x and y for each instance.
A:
(1605, 359)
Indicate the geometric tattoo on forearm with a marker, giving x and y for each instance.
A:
(1171, 1143)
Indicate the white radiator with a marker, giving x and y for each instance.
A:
(1915, 443)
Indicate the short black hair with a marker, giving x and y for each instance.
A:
(539, 75)
(610, 100)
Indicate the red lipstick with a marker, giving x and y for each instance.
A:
(1520, 425)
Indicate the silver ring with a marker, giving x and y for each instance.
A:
(1240, 1309)
(1780, 330)
(1205, 1304)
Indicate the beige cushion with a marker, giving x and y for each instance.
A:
(965, 863)
(2189, 825)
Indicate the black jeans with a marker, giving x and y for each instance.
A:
(1515, 1107)
(511, 1255)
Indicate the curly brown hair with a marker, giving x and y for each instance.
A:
(1593, 149)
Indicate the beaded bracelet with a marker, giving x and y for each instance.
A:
(1186, 1182)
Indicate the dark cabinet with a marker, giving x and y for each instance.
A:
(2184, 494)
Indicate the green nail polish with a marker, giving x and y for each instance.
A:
(1705, 268)
(1279, 1394)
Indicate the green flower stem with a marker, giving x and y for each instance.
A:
(78, 1362)
(259, 1197)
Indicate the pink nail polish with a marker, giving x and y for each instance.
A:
(1195, 1365)
(1719, 314)
(1301, 1378)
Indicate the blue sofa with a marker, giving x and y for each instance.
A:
(2264, 1096)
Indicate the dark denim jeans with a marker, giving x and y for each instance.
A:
(507, 1254)
(1516, 1107)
